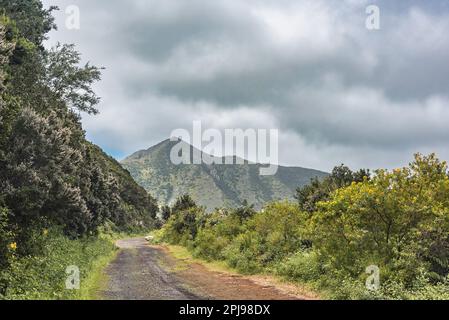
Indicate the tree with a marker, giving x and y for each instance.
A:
(245, 211)
(398, 221)
(184, 202)
(280, 231)
(320, 190)
(69, 82)
(165, 213)
(31, 18)
(6, 49)
(49, 173)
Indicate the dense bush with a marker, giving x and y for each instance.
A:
(304, 265)
(397, 221)
(217, 233)
(50, 176)
(269, 237)
(319, 190)
(248, 240)
(43, 276)
(182, 226)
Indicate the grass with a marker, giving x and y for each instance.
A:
(182, 253)
(97, 280)
(42, 276)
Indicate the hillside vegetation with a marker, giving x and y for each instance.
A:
(226, 185)
(394, 221)
(54, 185)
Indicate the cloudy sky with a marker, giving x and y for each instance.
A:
(338, 92)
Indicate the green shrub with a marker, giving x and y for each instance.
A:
(396, 220)
(303, 266)
(243, 254)
(181, 227)
(210, 246)
(278, 231)
(5, 238)
(217, 232)
(43, 276)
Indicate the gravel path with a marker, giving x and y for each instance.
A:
(137, 274)
(145, 272)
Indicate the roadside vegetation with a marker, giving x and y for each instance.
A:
(395, 220)
(43, 276)
(57, 190)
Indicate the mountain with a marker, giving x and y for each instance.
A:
(215, 185)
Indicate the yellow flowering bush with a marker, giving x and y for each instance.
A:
(398, 221)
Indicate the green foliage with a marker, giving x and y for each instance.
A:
(219, 230)
(391, 221)
(50, 176)
(320, 190)
(6, 48)
(5, 238)
(259, 240)
(43, 276)
(165, 213)
(269, 237)
(69, 82)
(128, 205)
(33, 21)
(398, 221)
(245, 211)
(184, 202)
(304, 265)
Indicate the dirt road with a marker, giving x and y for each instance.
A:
(145, 272)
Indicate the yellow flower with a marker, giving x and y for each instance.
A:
(13, 246)
(45, 232)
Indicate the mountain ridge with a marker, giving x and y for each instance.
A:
(214, 185)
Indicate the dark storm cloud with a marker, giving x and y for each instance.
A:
(333, 87)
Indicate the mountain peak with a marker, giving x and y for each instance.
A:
(212, 185)
(167, 145)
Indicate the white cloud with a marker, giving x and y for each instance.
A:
(338, 92)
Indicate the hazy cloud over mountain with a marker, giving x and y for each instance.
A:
(337, 91)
